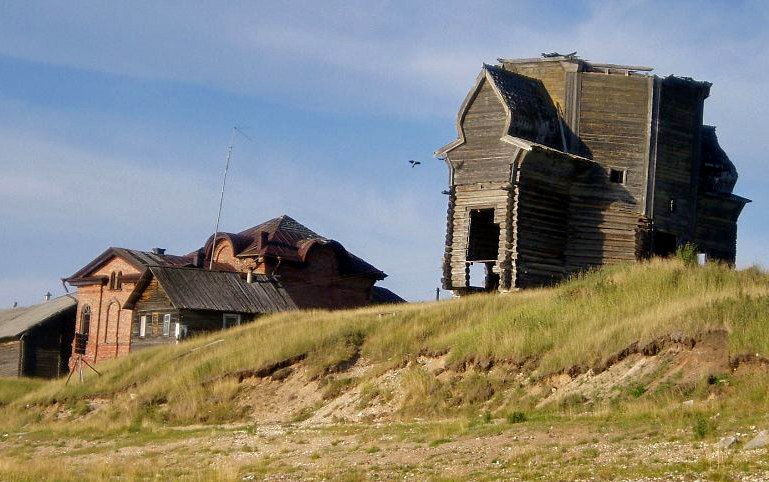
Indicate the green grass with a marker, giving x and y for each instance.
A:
(581, 322)
(14, 388)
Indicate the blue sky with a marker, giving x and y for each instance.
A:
(114, 117)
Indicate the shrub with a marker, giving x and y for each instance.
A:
(702, 427)
(687, 253)
(516, 417)
(486, 417)
(637, 390)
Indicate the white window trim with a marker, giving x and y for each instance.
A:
(167, 324)
(143, 326)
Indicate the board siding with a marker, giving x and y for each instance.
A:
(678, 138)
(560, 214)
(614, 128)
(484, 157)
(10, 354)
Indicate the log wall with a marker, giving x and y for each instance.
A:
(541, 218)
(677, 153)
(479, 196)
(482, 172)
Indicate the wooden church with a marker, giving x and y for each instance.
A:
(562, 164)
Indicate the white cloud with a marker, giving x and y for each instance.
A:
(409, 59)
(54, 191)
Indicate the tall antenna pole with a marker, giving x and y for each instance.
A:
(235, 130)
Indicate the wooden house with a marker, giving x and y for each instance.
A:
(169, 304)
(563, 164)
(289, 266)
(36, 341)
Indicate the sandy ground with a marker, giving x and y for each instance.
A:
(416, 451)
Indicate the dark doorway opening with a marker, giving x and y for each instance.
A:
(483, 243)
(665, 244)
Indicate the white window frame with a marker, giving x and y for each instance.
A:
(143, 326)
(230, 316)
(167, 324)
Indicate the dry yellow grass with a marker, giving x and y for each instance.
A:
(580, 322)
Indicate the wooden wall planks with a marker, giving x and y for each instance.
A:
(484, 156)
(556, 217)
(10, 358)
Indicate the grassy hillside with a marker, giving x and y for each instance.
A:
(575, 326)
(653, 342)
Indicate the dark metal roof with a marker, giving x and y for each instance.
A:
(16, 321)
(138, 259)
(381, 295)
(200, 289)
(289, 240)
(717, 172)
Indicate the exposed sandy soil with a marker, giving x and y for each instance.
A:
(348, 425)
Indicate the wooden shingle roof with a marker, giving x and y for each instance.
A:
(200, 289)
(533, 115)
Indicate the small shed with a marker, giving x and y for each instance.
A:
(170, 303)
(36, 341)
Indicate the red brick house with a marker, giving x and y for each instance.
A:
(103, 287)
(315, 271)
(311, 271)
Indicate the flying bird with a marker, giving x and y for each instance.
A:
(414, 163)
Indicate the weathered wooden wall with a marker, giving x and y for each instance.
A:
(482, 169)
(484, 157)
(555, 222)
(10, 357)
(716, 231)
(602, 229)
(677, 152)
(47, 347)
(614, 123)
(541, 218)
(486, 195)
(552, 75)
(153, 303)
(568, 219)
